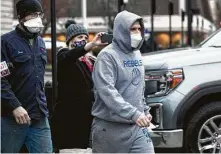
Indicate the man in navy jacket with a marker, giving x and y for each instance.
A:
(24, 109)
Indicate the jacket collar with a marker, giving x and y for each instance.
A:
(25, 34)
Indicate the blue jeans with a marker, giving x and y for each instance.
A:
(36, 137)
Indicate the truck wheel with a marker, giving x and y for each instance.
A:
(203, 133)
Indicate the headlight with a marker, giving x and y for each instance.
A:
(160, 83)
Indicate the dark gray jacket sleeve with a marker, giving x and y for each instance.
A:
(66, 54)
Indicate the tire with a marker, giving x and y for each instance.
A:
(203, 117)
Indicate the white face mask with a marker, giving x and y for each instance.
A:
(34, 25)
(135, 39)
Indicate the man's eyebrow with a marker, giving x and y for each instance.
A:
(135, 27)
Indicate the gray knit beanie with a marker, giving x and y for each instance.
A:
(74, 30)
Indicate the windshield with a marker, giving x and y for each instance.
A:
(213, 41)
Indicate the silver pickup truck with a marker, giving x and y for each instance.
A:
(183, 88)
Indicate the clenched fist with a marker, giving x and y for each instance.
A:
(143, 121)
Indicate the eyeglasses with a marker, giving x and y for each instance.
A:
(35, 15)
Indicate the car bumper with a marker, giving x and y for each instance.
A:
(165, 134)
(167, 139)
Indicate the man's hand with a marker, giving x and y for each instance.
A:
(143, 121)
(97, 40)
(149, 116)
(21, 115)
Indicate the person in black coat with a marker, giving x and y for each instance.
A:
(71, 119)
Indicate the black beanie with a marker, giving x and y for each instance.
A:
(74, 30)
(26, 7)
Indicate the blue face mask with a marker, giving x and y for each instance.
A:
(78, 44)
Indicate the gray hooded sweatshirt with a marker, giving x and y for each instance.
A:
(118, 76)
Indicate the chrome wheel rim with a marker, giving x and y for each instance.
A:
(209, 137)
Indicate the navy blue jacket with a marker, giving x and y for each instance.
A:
(25, 85)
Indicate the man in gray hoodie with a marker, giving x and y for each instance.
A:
(120, 112)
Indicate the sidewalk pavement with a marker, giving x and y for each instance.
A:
(78, 151)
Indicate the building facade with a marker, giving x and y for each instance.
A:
(99, 13)
(6, 16)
